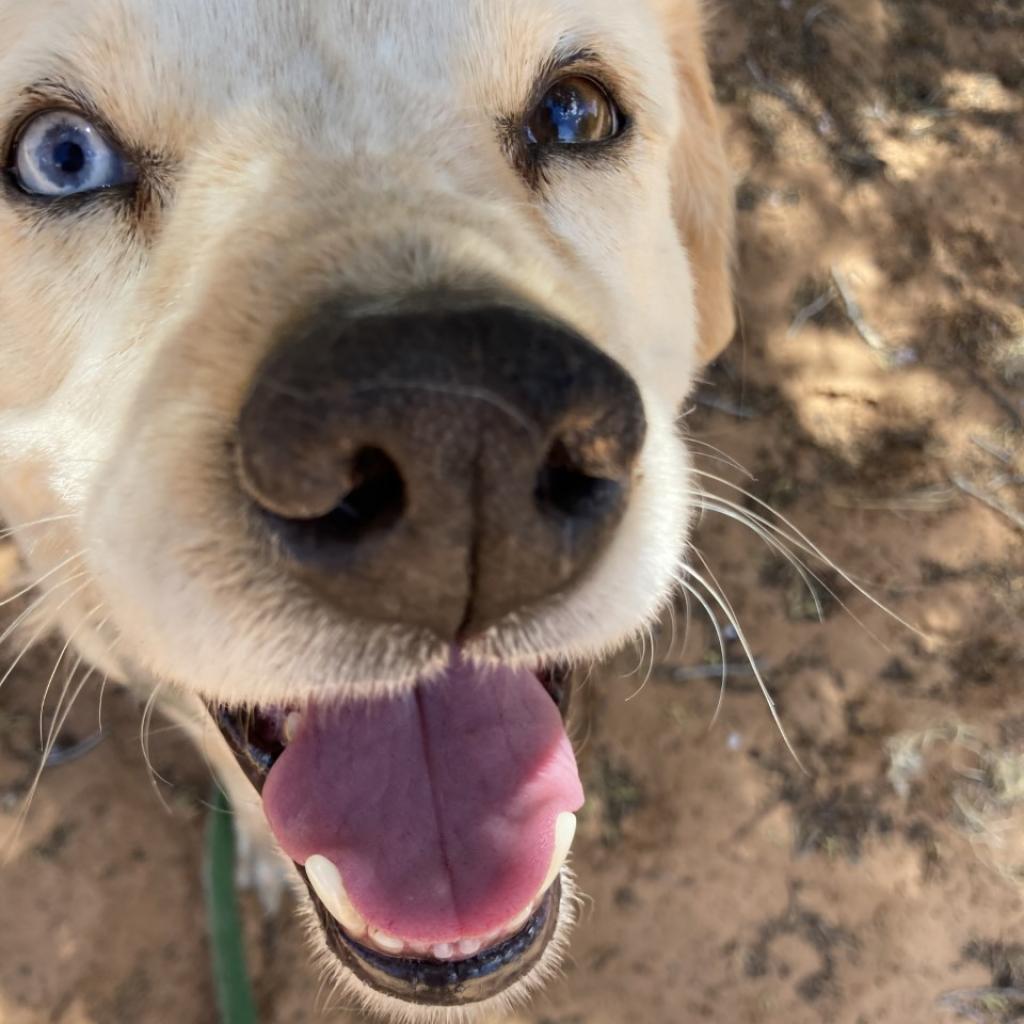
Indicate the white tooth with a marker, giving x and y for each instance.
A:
(420, 948)
(565, 832)
(469, 947)
(292, 722)
(519, 921)
(386, 942)
(443, 951)
(328, 885)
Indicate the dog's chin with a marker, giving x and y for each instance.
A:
(496, 960)
(426, 991)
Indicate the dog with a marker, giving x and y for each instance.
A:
(343, 347)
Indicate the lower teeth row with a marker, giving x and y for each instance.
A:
(326, 881)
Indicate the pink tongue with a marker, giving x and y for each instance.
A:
(438, 807)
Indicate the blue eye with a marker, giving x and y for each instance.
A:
(60, 153)
(574, 112)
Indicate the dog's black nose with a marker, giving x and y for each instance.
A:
(440, 467)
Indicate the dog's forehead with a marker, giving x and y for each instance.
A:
(138, 58)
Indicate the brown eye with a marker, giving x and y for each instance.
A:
(574, 112)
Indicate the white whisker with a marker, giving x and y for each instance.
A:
(106, 676)
(56, 667)
(687, 618)
(717, 455)
(10, 531)
(12, 628)
(56, 726)
(723, 603)
(155, 777)
(99, 703)
(55, 729)
(585, 681)
(671, 629)
(802, 541)
(724, 508)
(47, 625)
(650, 667)
(689, 590)
(42, 579)
(758, 525)
(57, 723)
(642, 641)
(62, 712)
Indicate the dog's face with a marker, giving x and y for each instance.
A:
(342, 346)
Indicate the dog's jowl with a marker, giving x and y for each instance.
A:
(341, 350)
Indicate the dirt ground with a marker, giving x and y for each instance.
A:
(879, 147)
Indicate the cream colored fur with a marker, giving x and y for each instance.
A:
(309, 147)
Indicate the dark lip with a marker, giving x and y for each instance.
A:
(452, 983)
(250, 734)
(254, 759)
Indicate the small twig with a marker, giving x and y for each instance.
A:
(986, 1005)
(1015, 410)
(935, 116)
(1005, 480)
(973, 491)
(988, 447)
(815, 13)
(810, 311)
(873, 339)
(821, 123)
(722, 405)
(932, 499)
(691, 673)
(61, 755)
(776, 90)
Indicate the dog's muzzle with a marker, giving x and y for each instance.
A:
(438, 468)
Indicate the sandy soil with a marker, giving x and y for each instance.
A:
(879, 151)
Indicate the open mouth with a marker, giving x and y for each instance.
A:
(431, 828)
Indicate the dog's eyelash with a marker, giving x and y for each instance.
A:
(131, 199)
(533, 160)
(537, 164)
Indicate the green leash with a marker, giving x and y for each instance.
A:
(230, 975)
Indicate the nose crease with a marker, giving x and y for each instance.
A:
(477, 394)
(473, 554)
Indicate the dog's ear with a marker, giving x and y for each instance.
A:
(703, 197)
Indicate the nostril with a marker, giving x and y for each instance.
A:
(374, 503)
(565, 488)
(377, 498)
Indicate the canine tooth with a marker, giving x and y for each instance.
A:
(386, 942)
(565, 832)
(443, 951)
(328, 885)
(292, 721)
(469, 947)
